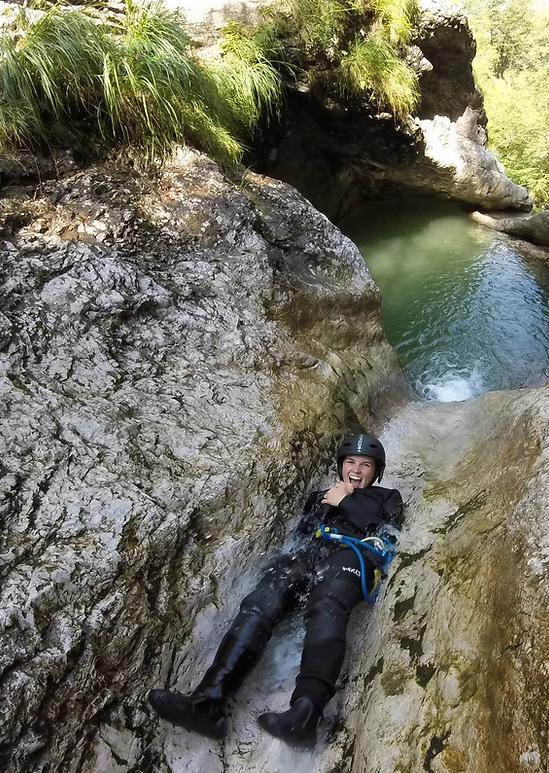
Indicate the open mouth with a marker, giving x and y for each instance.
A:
(355, 480)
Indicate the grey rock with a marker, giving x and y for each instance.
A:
(533, 228)
(176, 356)
(457, 165)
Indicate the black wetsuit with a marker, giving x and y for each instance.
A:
(330, 574)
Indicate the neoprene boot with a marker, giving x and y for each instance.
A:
(297, 726)
(203, 711)
(193, 712)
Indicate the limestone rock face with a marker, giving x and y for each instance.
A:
(533, 228)
(451, 675)
(447, 673)
(448, 87)
(340, 153)
(175, 356)
(456, 164)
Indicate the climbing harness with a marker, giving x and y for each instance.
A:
(380, 549)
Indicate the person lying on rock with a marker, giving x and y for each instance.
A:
(333, 576)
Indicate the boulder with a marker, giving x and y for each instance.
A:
(340, 153)
(531, 228)
(176, 354)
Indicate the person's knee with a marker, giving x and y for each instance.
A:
(270, 601)
(326, 618)
(336, 595)
(278, 592)
(330, 605)
(254, 606)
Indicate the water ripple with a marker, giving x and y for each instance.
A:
(465, 312)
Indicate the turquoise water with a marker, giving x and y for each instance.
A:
(466, 313)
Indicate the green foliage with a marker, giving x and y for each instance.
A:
(40, 68)
(246, 75)
(133, 81)
(322, 26)
(518, 110)
(512, 70)
(503, 29)
(318, 25)
(356, 43)
(155, 91)
(396, 16)
(374, 64)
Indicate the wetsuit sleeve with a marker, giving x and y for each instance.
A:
(310, 515)
(393, 509)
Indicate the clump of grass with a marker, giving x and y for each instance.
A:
(133, 81)
(319, 25)
(47, 69)
(396, 17)
(246, 75)
(356, 45)
(156, 92)
(323, 26)
(373, 65)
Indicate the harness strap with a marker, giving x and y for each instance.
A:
(379, 549)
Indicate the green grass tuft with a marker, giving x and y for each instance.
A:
(319, 25)
(156, 93)
(134, 80)
(396, 17)
(246, 75)
(372, 65)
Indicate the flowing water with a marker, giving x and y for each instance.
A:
(467, 314)
(465, 311)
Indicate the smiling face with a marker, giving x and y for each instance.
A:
(359, 470)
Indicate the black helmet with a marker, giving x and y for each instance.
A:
(363, 445)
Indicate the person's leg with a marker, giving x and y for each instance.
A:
(326, 617)
(203, 711)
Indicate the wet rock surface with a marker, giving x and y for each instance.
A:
(175, 356)
(455, 662)
(447, 672)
